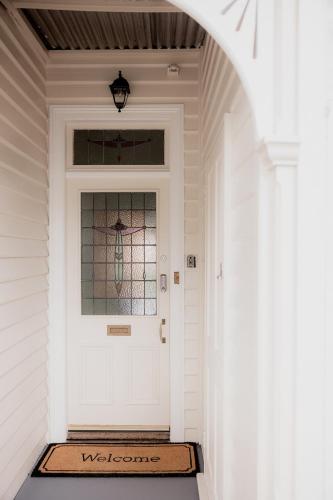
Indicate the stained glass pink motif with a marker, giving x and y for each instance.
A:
(119, 143)
(119, 230)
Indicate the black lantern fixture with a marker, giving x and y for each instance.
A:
(120, 91)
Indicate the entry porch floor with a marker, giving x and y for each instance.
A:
(151, 488)
(111, 488)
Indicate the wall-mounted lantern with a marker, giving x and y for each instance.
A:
(120, 91)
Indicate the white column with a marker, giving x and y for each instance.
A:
(277, 320)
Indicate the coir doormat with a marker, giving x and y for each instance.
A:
(91, 460)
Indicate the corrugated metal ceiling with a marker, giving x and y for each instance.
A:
(75, 30)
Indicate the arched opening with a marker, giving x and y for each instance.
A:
(220, 219)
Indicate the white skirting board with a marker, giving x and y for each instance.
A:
(202, 487)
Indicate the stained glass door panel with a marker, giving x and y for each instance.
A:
(118, 253)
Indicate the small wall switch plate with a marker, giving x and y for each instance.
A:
(191, 261)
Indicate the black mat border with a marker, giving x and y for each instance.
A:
(36, 473)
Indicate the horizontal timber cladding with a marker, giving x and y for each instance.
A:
(83, 78)
(23, 257)
(229, 158)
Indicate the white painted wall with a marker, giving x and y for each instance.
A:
(23, 257)
(328, 221)
(83, 78)
(314, 349)
(230, 344)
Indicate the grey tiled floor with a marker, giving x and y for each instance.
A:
(172, 488)
(150, 488)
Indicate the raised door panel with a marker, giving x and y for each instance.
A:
(96, 375)
(144, 382)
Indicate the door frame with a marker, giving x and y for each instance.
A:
(171, 118)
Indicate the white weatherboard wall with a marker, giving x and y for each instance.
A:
(231, 206)
(329, 273)
(83, 78)
(23, 258)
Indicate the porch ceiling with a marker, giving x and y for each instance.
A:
(87, 30)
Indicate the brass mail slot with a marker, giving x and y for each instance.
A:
(119, 330)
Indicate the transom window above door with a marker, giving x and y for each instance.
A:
(118, 147)
(118, 253)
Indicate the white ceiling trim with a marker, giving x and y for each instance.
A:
(98, 5)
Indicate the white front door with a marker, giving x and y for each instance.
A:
(117, 314)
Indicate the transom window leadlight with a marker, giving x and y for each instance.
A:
(118, 147)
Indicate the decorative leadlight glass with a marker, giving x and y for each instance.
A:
(118, 147)
(118, 253)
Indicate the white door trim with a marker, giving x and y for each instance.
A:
(170, 117)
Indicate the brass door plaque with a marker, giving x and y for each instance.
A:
(119, 330)
(176, 278)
